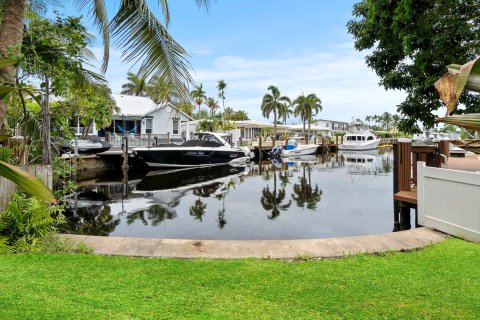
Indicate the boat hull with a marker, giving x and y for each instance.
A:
(302, 151)
(359, 147)
(193, 157)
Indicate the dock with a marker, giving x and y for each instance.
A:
(406, 156)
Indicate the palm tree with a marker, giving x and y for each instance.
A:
(273, 102)
(386, 120)
(285, 111)
(136, 85)
(221, 86)
(198, 95)
(137, 30)
(212, 104)
(314, 106)
(301, 109)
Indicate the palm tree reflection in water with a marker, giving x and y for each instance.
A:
(303, 193)
(91, 221)
(156, 214)
(271, 200)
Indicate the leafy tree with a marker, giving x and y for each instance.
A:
(55, 51)
(411, 42)
(136, 85)
(272, 102)
(137, 31)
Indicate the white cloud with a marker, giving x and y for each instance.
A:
(340, 78)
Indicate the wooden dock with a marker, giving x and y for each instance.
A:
(406, 156)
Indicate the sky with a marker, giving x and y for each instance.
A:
(298, 46)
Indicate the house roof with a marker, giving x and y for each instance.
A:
(134, 106)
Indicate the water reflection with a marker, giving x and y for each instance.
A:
(273, 200)
(304, 194)
(155, 214)
(351, 191)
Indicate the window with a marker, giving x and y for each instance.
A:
(148, 125)
(175, 126)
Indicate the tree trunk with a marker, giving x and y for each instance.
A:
(274, 126)
(47, 146)
(11, 30)
(308, 132)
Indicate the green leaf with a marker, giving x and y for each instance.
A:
(26, 182)
(468, 121)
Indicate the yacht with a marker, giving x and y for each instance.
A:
(205, 149)
(359, 140)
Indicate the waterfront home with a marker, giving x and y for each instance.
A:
(334, 126)
(140, 116)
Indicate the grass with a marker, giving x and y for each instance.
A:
(440, 282)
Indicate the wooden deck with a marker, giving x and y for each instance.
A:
(406, 196)
(470, 163)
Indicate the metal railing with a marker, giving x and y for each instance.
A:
(138, 140)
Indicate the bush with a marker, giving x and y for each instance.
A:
(26, 221)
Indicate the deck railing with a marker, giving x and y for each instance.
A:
(138, 140)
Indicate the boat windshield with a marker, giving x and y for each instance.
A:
(206, 137)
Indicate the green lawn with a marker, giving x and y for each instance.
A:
(441, 282)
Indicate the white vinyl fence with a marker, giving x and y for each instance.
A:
(449, 201)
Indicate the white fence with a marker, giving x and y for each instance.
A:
(449, 201)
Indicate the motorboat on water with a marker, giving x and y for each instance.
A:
(205, 149)
(294, 148)
(359, 140)
(92, 144)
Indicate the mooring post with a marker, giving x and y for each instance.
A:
(396, 205)
(260, 149)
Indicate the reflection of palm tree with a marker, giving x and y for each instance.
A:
(271, 200)
(284, 178)
(158, 213)
(155, 213)
(198, 209)
(89, 221)
(305, 194)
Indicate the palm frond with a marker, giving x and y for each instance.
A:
(100, 21)
(145, 39)
(26, 182)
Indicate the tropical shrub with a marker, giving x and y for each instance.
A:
(26, 221)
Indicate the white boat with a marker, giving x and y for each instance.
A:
(359, 140)
(294, 148)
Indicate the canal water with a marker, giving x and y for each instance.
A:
(322, 196)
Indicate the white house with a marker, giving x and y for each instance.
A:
(140, 115)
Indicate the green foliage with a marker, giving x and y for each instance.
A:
(26, 182)
(409, 45)
(57, 49)
(62, 177)
(6, 154)
(27, 220)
